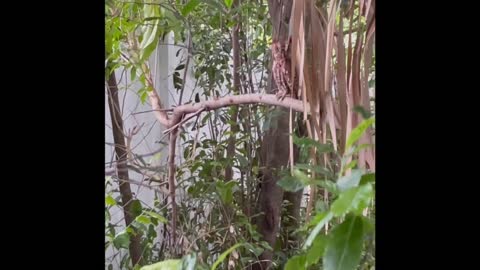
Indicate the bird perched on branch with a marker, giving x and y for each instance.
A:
(282, 69)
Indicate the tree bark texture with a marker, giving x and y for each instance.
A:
(122, 171)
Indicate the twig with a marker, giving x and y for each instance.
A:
(160, 110)
(171, 182)
(184, 120)
(159, 189)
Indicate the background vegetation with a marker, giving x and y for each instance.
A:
(266, 186)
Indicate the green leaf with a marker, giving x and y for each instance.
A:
(316, 251)
(325, 217)
(143, 219)
(307, 142)
(121, 240)
(164, 265)
(228, 3)
(224, 255)
(349, 181)
(297, 262)
(368, 226)
(328, 185)
(157, 216)
(225, 191)
(317, 169)
(294, 183)
(133, 73)
(189, 7)
(151, 32)
(354, 199)
(109, 201)
(136, 208)
(344, 247)
(350, 165)
(367, 178)
(143, 96)
(358, 131)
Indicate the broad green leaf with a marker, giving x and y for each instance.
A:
(228, 3)
(143, 219)
(354, 199)
(324, 219)
(294, 183)
(121, 240)
(297, 262)
(367, 178)
(358, 131)
(344, 247)
(164, 265)
(136, 208)
(328, 185)
(368, 225)
(189, 7)
(222, 257)
(349, 181)
(157, 216)
(109, 201)
(316, 250)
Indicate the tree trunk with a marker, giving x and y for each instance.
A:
(290, 221)
(234, 128)
(275, 150)
(122, 171)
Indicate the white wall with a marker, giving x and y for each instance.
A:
(162, 63)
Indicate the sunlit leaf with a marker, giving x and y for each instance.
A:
(358, 131)
(228, 3)
(354, 199)
(109, 201)
(164, 265)
(323, 219)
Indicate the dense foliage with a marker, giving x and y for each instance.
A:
(216, 216)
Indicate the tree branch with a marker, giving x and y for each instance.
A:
(175, 122)
(217, 103)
